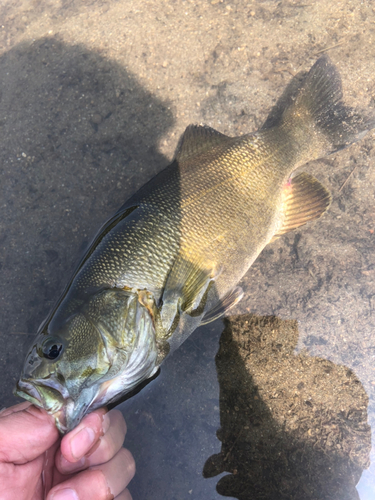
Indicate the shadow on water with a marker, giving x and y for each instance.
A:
(292, 426)
(79, 136)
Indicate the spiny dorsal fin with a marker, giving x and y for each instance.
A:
(197, 139)
(305, 199)
(229, 301)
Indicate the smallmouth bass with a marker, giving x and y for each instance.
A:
(170, 259)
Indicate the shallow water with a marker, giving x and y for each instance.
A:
(93, 99)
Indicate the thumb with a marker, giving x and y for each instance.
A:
(25, 434)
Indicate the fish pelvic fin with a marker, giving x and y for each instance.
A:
(313, 116)
(223, 306)
(304, 199)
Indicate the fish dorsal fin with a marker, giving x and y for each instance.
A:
(305, 199)
(198, 139)
(229, 301)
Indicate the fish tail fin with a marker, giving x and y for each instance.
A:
(313, 116)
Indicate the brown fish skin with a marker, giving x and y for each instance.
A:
(170, 259)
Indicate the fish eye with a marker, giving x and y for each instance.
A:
(52, 349)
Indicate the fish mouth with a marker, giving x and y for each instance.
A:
(27, 391)
(53, 397)
(47, 394)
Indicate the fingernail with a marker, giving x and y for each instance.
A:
(82, 442)
(69, 466)
(66, 494)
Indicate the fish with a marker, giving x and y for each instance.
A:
(171, 258)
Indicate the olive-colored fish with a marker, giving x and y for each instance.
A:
(171, 257)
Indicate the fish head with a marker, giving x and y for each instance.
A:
(90, 352)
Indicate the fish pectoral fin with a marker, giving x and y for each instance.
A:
(197, 139)
(196, 288)
(305, 199)
(229, 301)
(194, 306)
(185, 292)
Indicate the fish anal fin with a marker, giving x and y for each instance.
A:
(305, 199)
(197, 139)
(229, 301)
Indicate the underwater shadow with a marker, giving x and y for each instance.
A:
(292, 426)
(79, 135)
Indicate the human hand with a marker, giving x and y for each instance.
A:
(88, 463)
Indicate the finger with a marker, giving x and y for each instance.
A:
(17, 480)
(118, 472)
(100, 482)
(108, 445)
(26, 434)
(13, 409)
(125, 495)
(85, 436)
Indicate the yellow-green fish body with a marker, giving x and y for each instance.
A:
(171, 258)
